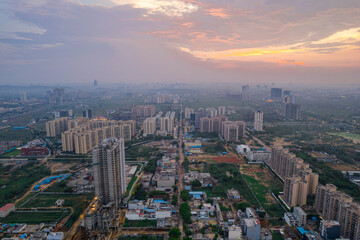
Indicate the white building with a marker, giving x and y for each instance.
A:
(149, 126)
(290, 219)
(188, 112)
(235, 233)
(258, 121)
(300, 215)
(211, 112)
(242, 149)
(252, 228)
(222, 110)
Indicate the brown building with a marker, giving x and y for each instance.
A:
(299, 180)
(83, 138)
(34, 148)
(56, 127)
(233, 131)
(295, 191)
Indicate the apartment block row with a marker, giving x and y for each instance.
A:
(335, 205)
(144, 110)
(57, 126)
(299, 180)
(82, 139)
(160, 125)
(231, 130)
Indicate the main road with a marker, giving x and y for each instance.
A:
(180, 172)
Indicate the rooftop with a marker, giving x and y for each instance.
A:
(6, 207)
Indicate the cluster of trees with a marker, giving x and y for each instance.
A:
(157, 193)
(205, 134)
(184, 195)
(185, 212)
(185, 164)
(241, 206)
(218, 147)
(140, 193)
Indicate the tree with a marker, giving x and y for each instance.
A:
(185, 196)
(140, 193)
(196, 183)
(211, 201)
(242, 206)
(174, 233)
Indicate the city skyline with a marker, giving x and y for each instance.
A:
(299, 42)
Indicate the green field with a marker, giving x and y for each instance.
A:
(35, 217)
(263, 192)
(351, 136)
(12, 153)
(71, 200)
(15, 184)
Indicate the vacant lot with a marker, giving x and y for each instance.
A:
(228, 160)
(15, 183)
(343, 166)
(263, 183)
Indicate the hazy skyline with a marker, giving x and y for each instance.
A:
(264, 41)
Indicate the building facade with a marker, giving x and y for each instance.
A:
(109, 171)
(335, 205)
(258, 121)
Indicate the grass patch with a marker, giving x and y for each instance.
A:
(35, 217)
(140, 223)
(12, 153)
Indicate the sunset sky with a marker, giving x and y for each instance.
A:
(250, 41)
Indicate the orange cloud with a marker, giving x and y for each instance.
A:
(217, 12)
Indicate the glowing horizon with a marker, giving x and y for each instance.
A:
(198, 36)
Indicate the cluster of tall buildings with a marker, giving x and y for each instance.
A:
(338, 206)
(291, 111)
(299, 180)
(144, 110)
(212, 124)
(232, 131)
(57, 126)
(160, 125)
(211, 112)
(81, 135)
(56, 96)
(160, 98)
(82, 138)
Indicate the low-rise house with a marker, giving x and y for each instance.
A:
(233, 194)
(7, 209)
